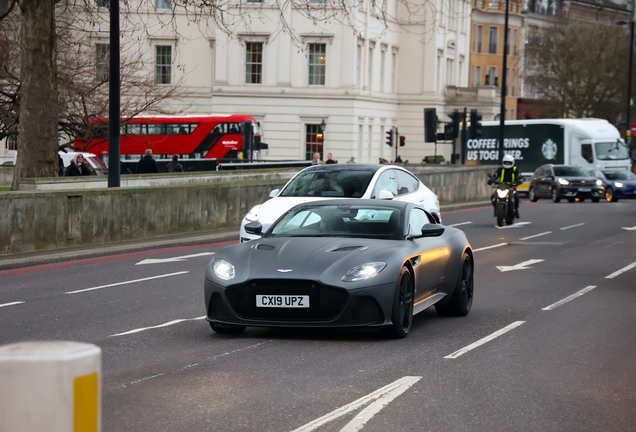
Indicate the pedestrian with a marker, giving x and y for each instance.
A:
(316, 159)
(330, 159)
(174, 165)
(351, 160)
(633, 157)
(147, 164)
(60, 165)
(77, 167)
(398, 159)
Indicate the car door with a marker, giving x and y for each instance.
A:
(408, 188)
(431, 258)
(386, 181)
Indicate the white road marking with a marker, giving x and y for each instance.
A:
(521, 266)
(462, 223)
(484, 340)
(536, 235)
(173, 259)
(517, 225)
(490, 247)
(629, 228)
(11, 304)
(567, 299)
(572, 226)
(169, 323)
(127, 282)
(621, 271)
(380, 397)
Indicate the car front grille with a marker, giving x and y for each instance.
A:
(325, 302)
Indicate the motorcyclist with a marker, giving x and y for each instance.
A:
(507, 174)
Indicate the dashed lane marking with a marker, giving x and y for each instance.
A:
(127, 282)
(169, 323)
(459, 224)
(11, 304)
(482, 341)
(572, 226)
(490, 247)
(536, 235)
(621, 271)
(569, 298)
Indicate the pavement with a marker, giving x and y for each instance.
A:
(86, 252)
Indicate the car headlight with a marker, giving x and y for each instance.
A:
(223, 269)
(618, 184)
(599, 183)
(502, 193)
(364, 271)
(564, 181)
(252, 216)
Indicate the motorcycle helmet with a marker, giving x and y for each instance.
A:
(508, 161)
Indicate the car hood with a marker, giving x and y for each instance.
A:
(324, 259)
(590, 180)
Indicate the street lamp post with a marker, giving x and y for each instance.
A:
(628, 125)
(504, 83)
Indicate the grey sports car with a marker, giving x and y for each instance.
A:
(341, 263)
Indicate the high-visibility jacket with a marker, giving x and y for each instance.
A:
(507, 176)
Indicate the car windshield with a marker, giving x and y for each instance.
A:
(619, 175)
(570, 171)
(329, 183)
(611, 151)
(377, 222)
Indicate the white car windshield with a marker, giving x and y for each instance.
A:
(329, 183)
(340, 221)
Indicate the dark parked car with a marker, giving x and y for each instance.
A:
(341, 263)
(618, 184)
(564, 181)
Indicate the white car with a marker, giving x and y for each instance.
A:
(346, 181)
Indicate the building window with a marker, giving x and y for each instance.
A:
(507, 81)
(492, 41)
(478, 76)
(479, 38)
(255, 1)
(318, 1)
(491, 76)
(253, 62)
(163, 64)
(382, 67)
(317, 60)
(359, 64)
(450, 77)
(163, 4)
(102, 3)
(370, 68)
(514, 81)
(394, 73)
(514, 42)
(12, 142)
(313, 141)
(102, 59)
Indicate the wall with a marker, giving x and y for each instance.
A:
(6, 175)
(39, 221)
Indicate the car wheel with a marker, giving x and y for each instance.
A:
(227, 328)
(402, 314)
(609, 195)
(462, 300)
(532, 195)
(555, 195)
(571, 199)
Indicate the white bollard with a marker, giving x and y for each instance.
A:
(50, 386)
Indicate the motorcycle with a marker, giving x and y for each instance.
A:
(504, 200)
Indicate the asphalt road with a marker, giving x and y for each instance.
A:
(554, 316)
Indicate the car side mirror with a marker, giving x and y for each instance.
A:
(254, 228)
(274, 193)
(385, 194)
(431, 230)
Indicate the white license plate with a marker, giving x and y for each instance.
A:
(585, 189)
(282, 301)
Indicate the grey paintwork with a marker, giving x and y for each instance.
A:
(434, 262)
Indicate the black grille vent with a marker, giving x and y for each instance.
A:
(346, 248)
(265, 247)
(325, 302)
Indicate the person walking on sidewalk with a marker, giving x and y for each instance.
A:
(147, 164)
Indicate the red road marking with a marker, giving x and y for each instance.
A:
(111, 258)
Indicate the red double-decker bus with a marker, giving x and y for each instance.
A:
(191, 136)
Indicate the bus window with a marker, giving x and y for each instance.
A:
(172, 129)
(156, 129)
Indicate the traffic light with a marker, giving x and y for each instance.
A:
(430, 125)
(402, 141)
(389, 137)
(475, 124)
(455, 125)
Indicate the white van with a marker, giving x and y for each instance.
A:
(95, 163)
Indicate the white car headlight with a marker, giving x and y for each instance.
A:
(618, 184)
(599, 183)
(564, 181)
(253, 214)
(364, 271)
(502, 193)
(223, 269)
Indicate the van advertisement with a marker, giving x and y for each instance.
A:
(530, 145)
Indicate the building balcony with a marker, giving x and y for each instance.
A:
(472, 95)
(498, 5)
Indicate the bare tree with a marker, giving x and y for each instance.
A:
(580, 67)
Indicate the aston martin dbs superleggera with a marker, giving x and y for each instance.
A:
(341, 263)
